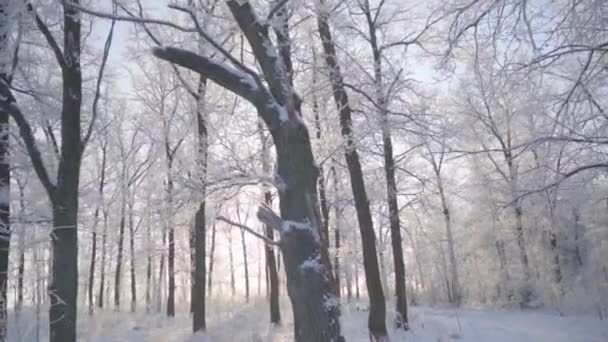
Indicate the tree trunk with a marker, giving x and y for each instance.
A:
(132, 255)
(148, 276)
(171, 242)
(211, 257)
(401, 319)
(521, 242)
(64, 195)
(5, 177)
(102, 272)
(245, 264)
(455, 294)
(231, 262)
(377, 312)
(337, 225)
(102, 182)
(271, 265)
(310, 288)
(121, 236)
(200, 243)
(22, 238)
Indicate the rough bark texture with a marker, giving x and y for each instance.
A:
(5, 180)
(377, 312)
(310, 289)
(200, 231)
(63, 289)
(5, 229)
(271, 263)
(171, 240)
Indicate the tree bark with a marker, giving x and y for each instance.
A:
(102, 181)
(102, 272)
(119, 255)
(401, 319)
(5, 175)
(310, 288)
(200, 231)
(337, 225)
(211, 257)
(132, 255)
(63, 289)
(271, 265)
(377, 312)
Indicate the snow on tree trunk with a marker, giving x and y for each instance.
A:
(311, 289)
(377, 312)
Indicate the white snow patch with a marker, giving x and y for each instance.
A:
(283, 114)
(330, 302)
(313, 265)
(249, 82)
(288, 225)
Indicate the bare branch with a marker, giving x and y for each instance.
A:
(249, 230)
(104, 60)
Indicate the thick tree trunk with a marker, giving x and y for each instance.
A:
(5, 176)
(64, 195)
(377, 314)
(64, 284)
(310, 285)
(5, 229)
(171, 241)
(198, 297)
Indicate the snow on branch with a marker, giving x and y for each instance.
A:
(234, 80)
(247, 229)
(265, 53)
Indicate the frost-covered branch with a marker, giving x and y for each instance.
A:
(247, 229)
(256, 33)
(234, 80)
(102, 67)
(8, 103)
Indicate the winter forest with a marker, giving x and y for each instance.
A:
(303, 170)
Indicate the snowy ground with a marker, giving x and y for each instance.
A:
(249, 324)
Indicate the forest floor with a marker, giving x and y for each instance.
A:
(248, 323)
